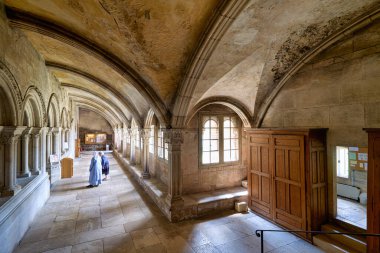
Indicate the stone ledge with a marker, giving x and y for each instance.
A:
(194, 205)
(18, 212)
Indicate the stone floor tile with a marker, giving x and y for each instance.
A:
(175, 243)
(221, 234)
(206, 248)
(89, 212)
(119, 244)
(144, 238)
(156, 248)
(89, 202)
(45, 245)
(99, 233)
(66, 249)
(36, 235)
(88, 225)
(194, 238)
(140, 224)
(88, 247)
(62, 228)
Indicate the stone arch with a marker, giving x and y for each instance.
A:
(33, 109)
(233, 104)
(53, 116)
(150, 119)
(64, 118)
(10, 98)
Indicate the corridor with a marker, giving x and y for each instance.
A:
(119, 217)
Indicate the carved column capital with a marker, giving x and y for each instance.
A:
(173, 136)
(9, 134)
(145, 134)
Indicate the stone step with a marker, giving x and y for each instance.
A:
(331, 246)
(350, 241)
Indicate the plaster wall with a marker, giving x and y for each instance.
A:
(339, 90)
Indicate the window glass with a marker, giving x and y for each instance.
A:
(342, 161)
(151, 140)
(231, 139)
(210, 140)
(160, 144)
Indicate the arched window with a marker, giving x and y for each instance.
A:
(151, 140)
(162, 147)
(210, 140)
(220, 142)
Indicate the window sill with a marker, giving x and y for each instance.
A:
(216, 165)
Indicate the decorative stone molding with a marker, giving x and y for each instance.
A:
(9, 134)
(16, 93)
(145, 134)
(173, 136)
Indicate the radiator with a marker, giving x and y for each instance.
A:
(348, 191)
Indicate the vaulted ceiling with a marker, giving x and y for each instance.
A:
(127, 57)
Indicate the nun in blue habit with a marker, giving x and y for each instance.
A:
(95, 178)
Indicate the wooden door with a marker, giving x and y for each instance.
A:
(289, 206)
(373, 206)
(260, 175)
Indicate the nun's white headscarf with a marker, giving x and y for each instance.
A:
(95, 154)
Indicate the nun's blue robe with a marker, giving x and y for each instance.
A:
(95, 171)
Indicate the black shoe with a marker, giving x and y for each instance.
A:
(89, 186)
(96, 185)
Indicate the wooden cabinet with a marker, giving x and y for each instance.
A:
(67, 168)
(287, 180)
(373, 204)
(77, 147)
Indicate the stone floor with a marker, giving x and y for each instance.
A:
(352, 212)
(119, 217)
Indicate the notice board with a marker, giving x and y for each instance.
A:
(358, 158)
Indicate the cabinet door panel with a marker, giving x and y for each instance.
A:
(289, 181)
(373, 206)
(260, 184)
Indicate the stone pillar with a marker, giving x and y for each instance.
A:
(9, 137)
(132, 159)
(120, 143)
(25, 153)
(48, 144)
(145, 134)
(125, 136)
(62, 140)
(36, 132)
(43, 150)
(56, 134)
(174, 138)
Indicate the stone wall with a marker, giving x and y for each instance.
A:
(200, 178)
(339, 90)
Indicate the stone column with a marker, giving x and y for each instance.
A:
(132, 160)
(48, 144)
(120, 143)
(145, 134)
(9, 137)
(174, 138)
(36, 132)
(56, 134)
(62, 140)
(125, 133)
(43, 150)
(129, 133)
(25, 153)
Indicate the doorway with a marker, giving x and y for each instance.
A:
(351, 185)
